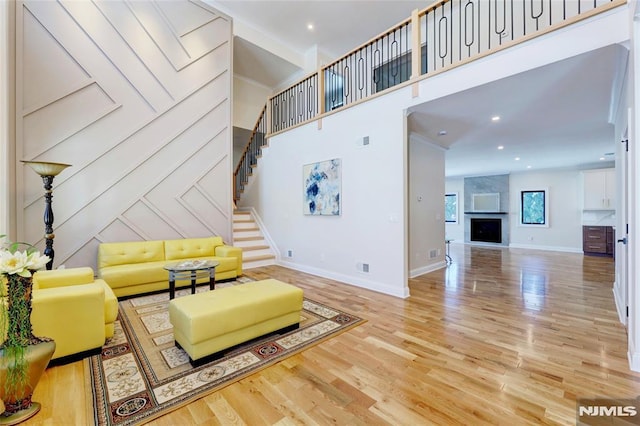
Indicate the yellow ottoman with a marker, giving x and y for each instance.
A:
(206, 323)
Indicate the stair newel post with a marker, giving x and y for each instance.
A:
(416, 56)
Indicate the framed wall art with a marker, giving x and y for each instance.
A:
(322, 188)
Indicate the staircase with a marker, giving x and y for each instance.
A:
(248, 236)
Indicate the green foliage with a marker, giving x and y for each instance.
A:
(13, 247)
(15, 325)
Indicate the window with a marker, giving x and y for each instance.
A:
(533, 207)
(451, 208)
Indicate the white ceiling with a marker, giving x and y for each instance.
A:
(552, 117)
(339, 25)
(556, 116)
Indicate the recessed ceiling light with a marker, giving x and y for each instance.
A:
(495, 118)
(442, 132)
(517, 158)
(500, 147)
(601, 158)
(310, 27)
(528, 167)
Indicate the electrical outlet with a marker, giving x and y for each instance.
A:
(365, 267)
(289, 253)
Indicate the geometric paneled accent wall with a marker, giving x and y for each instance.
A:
(136, 96)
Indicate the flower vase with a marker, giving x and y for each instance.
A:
(23, 357)
(18, 405)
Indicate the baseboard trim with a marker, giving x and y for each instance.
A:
(354, 281)
(621, 306)
(634, 361)
(547, 248)
(426, 269)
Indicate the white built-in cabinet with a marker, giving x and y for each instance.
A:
(599, 189)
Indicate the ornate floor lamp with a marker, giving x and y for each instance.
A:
(47, 171)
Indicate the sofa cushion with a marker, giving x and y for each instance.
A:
(191, 248)
(112, 254)
(135, 274)
(62, 277)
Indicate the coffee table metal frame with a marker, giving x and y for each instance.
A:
(187, 270)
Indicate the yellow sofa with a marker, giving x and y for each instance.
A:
(74, 309)
(137, 267)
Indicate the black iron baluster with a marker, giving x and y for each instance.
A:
(377, 63)
(489, 26)
(512, 16)
(346, 81)
(426, 43)
(300, 103)
(451, 18)
(479, 26)
(536, 17)
(499, 31)
(361, 75)
(446, 38)
(470, 5)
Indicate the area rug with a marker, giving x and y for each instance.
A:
(141, 374)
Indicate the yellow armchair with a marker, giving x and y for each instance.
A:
(74, 309)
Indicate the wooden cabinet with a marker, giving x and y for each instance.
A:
(598, 240)
(599, 189)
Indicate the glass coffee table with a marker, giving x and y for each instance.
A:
(191, 270)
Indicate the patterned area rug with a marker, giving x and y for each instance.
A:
(141, 374)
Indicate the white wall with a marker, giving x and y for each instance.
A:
(633, 296)
(564, 232)
(455, 231)
(136, 96)
(372, 226)
(426, 207)
(249, 97)
(7, 111)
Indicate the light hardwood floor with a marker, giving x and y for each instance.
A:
(501, 336)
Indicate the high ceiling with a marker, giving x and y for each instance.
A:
(557, 116)
(338, 27)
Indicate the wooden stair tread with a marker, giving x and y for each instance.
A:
(261, 257)
(248, 238)
(250, 248)
(245, 229)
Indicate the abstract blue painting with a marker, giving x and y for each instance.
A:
(322, 185)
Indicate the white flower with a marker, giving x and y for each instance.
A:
(36, 262)
(13, 263)
(21, 263)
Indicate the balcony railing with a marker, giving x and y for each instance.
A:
(250, 155)
(447, 34)
(295, 105)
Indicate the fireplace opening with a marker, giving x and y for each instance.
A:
(486, 230)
